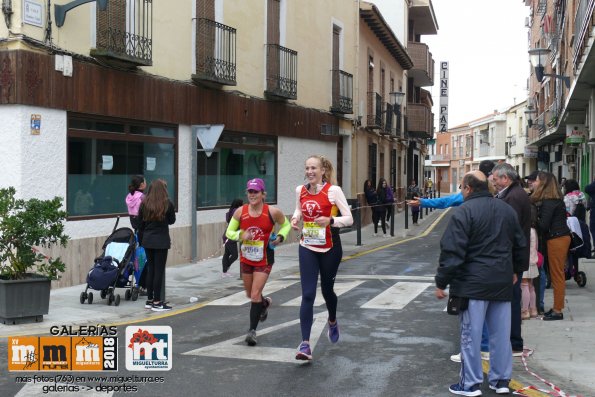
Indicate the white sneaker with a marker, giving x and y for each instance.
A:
(456, 358)
(385, 236)
(374, 234)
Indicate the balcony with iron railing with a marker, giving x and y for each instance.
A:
(342, 91)
(281, 72)
(420, 120)
(440, 157)
(423, 64)
(583, 26)
(374, 119)
(215, 53)
(124, 33)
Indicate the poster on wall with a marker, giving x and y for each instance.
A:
(575, 133)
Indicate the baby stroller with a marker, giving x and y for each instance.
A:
(583, 250)
(114, 268)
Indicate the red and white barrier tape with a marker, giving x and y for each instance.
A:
(555, 392)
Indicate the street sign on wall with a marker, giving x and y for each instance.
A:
(443, 121)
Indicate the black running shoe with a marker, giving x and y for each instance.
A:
(265, 310)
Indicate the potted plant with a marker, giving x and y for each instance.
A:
(26, 228)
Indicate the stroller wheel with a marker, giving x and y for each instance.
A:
(581, 279)
(127, 295)
(110, 299)
(103, 294)
(83, 297)
(135, 294)
(117, 300)
(90, 298)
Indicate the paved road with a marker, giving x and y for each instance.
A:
(395, 340)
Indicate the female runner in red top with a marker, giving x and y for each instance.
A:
(253, 224)
(323, 209)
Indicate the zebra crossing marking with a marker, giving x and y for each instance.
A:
(240, 298)
(232, 348)
(397, 296)
(340, 289)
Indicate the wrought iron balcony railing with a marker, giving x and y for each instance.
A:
(583, 26)
(342, 92)
(124, 33)
(374, 119)
(215, 52)
(281, 72)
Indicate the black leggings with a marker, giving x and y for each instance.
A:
(379, 214)
(312, 263)
(155, 268)
(230, 255)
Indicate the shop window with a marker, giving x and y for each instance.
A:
(104, 155)
(237, 158)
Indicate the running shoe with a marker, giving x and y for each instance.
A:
(161, 307)
(267, 302)
(251, 338)
(148, 304)
(458, 389)
(333, 332)
(501, 387)
(304, 352)
(456, 358)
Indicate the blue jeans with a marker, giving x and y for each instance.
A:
(542, 281)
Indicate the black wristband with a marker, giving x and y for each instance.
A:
(332, 221)
(281, 237)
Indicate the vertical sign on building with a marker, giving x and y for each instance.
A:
(443, 122)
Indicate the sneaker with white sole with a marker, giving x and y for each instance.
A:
(148, 304)
(333, 332)
(458, 389)
(251, 338)
(304, 352)
(161, 307)
(501, 387)
(456, 358)
(265, 310)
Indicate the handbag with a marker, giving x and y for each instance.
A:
(456, 305)
(539, 259)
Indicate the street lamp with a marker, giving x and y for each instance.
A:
(396, 98)
(538, 57)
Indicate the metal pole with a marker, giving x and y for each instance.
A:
(358, 224)
(406, 216)
(193, 194)
(392, 220)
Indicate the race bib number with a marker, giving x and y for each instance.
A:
(253, 250)
(314, 234)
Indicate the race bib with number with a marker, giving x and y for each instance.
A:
(314, 234)
(253, 250)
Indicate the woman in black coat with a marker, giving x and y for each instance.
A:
(156, 213)
(553, 235)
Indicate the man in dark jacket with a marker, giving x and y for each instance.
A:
(507, 183)
(482, 249)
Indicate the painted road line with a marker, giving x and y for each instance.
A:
(372, 277)
(340, 289)
(397, 296)
(239, 298)
(235, 348)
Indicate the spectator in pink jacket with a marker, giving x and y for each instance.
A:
(134, 198)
